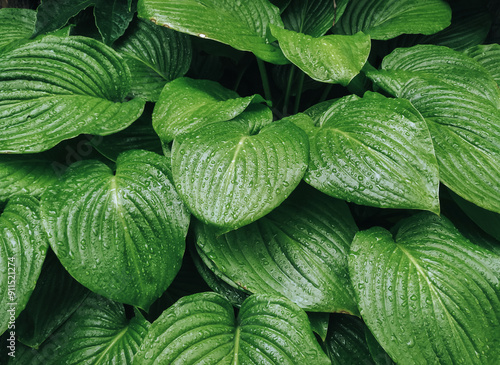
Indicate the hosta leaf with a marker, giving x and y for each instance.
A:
(55, 298)
(319, 323)
(202, 328)
(185, 104)
(23, 245)
(299, 250)
(374, 151)
(25, 174)
(97, 333)
(15, 25)
(428, 295)
(385, 19)
(229, 178)
(488, 56)
(155, 56)
(242, 25)
(121, 235)
(112, 18)
(332, 58)
(53, 14)
(57, 88)
(460, 102)
(378, 354)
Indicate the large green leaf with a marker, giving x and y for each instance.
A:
(185, 104)
(299, 250)
(460, 102)
(332, 58)
(374, 151)
(97, 333)
(121, 235)
(23, 245)
(202, 328)
(15, 25)
(155, 56)
(229, 177)
(385, 19)
(25, 174)
(488, 56)
(242, 25)
(428, 295)
(57, 88)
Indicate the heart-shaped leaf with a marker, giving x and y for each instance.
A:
(385, 19)
(23, 245)
(57, 88)
(331, 58)
(97, 333)
(243, 25)
(202, 328)
(155, 56)
(15, 25)
(428, 295)
(460, 102)
(299, 250)
(488, 56)
(121, 235)
(229, 178)
(374, 151)
(185, 104)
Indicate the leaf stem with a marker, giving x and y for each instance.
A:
(265, 80)
(299, 93)
(288, 89)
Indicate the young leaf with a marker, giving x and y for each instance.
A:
(185, 104)
(23, 245)
(488, 56)
(229, 178)
(460, 102)
(332, 58)
(242, 25)
(15, 25)
(386, 19)
(374, 151)
(299, 251)
(201, 328)
(112, 18)
(428, 295)
(110, 235)
(57, 88)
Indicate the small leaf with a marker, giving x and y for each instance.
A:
(54, 14)
(428, 295)
(374, 151)
(229, 178)
(332, 58)
(243, 26)
(488, 56)
(386, 19)
(202, 328)
(15, 25)
(112, 236)
(319, 323)
(23, 245)
(112, 18)
(57, 88)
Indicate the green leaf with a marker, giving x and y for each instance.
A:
(488, 56)
(185, 104)
(55, 298)
(374, 151)
(460, 102)
(319, 323)
(25, 174)
(428, 295)
(54, 14)
(379, 355)
(97, 333)
(155, 56)
(332, 58)
(112, 18)
(386, 19)
(57, 88)
(15, 25)
(299, 251)
(23, 245)
(242, 26)
(121, 235)
(229, 178)
(202, 328)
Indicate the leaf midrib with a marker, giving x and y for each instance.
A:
(113, 342)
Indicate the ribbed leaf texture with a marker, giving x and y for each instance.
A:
(15, 25)
(488, 56)
(428, 295)
(57, 88)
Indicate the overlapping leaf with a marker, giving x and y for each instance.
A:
(374, 151)
(57, 88)
(229, 178)
(299, 251)
(488, 56)
(15, 25)
(460, 102)
(428, 295)
(242, 25)
(121, 235)
(202, 328)
(23, 245)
